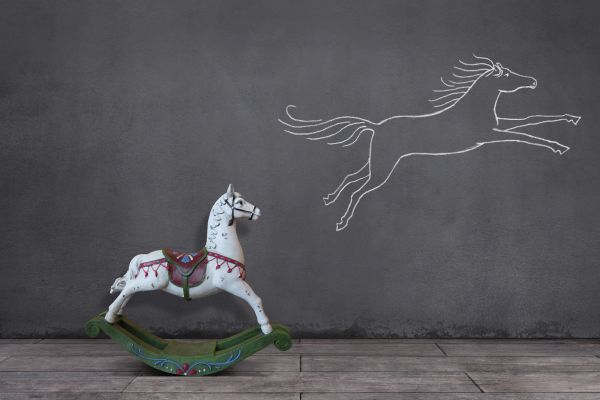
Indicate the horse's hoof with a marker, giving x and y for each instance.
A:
(561, 151)
(327, 200)
(266, 328)
(341, 226)
(574, 119)
(110, 318)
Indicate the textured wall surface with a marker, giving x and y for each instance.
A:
(122, 122)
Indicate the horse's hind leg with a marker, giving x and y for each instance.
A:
(142, 283)
(379, 174)
(348, 180)
(241, 289)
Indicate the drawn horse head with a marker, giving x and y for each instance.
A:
(483, 72)
(509, 81)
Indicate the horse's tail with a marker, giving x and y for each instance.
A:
(348, 128)
(119, 283)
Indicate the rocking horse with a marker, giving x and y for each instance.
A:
(217, 267)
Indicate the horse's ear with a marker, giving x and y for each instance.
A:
(230, 190)
(499, 69)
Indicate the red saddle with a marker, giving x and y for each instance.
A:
(186, 269)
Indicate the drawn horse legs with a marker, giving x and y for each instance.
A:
(507, 136)
(141, 283)
(378, 176)
(332, 197)
(241, 289)
(509, 124)
(380, 172)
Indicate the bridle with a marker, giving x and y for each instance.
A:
(233, 208)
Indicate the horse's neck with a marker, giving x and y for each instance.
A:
(479, 104)
(221, 237)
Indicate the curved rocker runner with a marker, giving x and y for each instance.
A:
(217, 267)
(188, 358)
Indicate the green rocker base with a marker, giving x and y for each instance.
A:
(188, 358)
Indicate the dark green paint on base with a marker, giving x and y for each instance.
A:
(188, 358)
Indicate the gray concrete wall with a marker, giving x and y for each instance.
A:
(122, 122)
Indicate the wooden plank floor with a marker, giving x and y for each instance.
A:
(315, 370)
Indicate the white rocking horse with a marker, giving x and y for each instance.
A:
(218, 267)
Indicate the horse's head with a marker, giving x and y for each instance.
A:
(508, 81)
(239, 208)
(489, 76)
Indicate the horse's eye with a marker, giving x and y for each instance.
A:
(240, 202)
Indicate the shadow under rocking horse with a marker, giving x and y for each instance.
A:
(471, 94)
(218, 267)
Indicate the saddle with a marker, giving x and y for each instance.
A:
(186, 269)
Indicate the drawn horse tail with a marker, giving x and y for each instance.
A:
(344, 131)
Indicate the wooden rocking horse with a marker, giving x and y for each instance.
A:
(217, 267)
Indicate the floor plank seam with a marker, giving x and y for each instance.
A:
(5, 361)
(473, 382)
(130, 382)
(441, 349)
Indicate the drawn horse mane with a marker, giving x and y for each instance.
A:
(461, 82)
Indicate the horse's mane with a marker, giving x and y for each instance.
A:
(462, 81)
(214, 221)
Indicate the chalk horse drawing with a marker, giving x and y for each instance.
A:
(470, 94)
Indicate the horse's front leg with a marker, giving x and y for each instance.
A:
(241, 289)
(506, 124)
(141, 283)
(122, 309)
(502, 136)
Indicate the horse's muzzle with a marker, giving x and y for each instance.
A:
(533, 83)
(255, 214)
